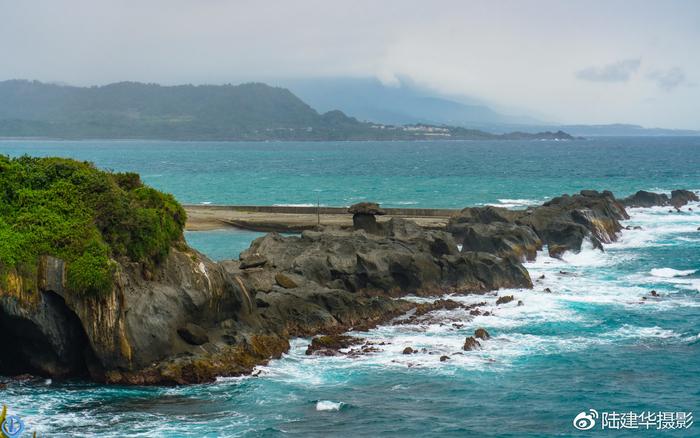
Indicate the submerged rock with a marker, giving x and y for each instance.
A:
(482, 334)
(471, 343)
(329, 345)
(505, 299)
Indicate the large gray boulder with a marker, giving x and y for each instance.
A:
(679, 198)
(562, 223)
(499, 238)
(646, 199)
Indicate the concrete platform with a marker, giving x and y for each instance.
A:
(297, 219)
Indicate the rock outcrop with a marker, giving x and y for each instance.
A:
(500, 238)
(562, 223)
(679, 198)
(346, 278)
(471, 344)
(404, 259)
(645, 199)
(187, 319)
(363, 216)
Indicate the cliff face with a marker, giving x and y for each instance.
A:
(117, 337)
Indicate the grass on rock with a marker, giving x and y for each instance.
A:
(85, 216)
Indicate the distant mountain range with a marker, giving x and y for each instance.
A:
(369, 99)
(251, 111)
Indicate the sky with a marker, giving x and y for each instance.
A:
(561, 61)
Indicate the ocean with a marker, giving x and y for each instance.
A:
(593, 342)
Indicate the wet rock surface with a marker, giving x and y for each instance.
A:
(482, 334)
(679, 198)
(562, 224)
(646, 199)
(504, 299)
(471, 343)
(330, 345)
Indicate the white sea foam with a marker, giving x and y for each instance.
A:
(692, 339)
(631, 331)
(222, 379)
(327, 405)
(588, 256)
(515, 203)
(670, 273)
(295, 205)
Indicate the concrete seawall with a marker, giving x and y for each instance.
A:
(291, 209)
(297, 218)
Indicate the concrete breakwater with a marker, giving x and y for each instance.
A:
(297, 218)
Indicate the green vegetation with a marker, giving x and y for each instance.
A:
(85, 216)
(132, 110)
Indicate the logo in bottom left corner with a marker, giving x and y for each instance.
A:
(13, 426)
(586, 420)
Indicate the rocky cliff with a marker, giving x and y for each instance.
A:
(186, 319)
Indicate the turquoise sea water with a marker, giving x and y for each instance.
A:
(592, 343)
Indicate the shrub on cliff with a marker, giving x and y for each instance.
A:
(85, 216)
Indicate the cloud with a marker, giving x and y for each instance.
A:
(619, 71)
(506, 53)
(669, 79)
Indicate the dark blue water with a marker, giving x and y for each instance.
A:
(593, 343)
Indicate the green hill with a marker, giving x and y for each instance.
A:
(132, 110)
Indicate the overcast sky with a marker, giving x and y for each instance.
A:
(565, 61)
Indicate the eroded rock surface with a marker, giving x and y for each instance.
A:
(562, 224)
(404, 259)
(188, 319)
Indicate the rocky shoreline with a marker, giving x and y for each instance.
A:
(190, 320)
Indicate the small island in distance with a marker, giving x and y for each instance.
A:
(246, 112)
